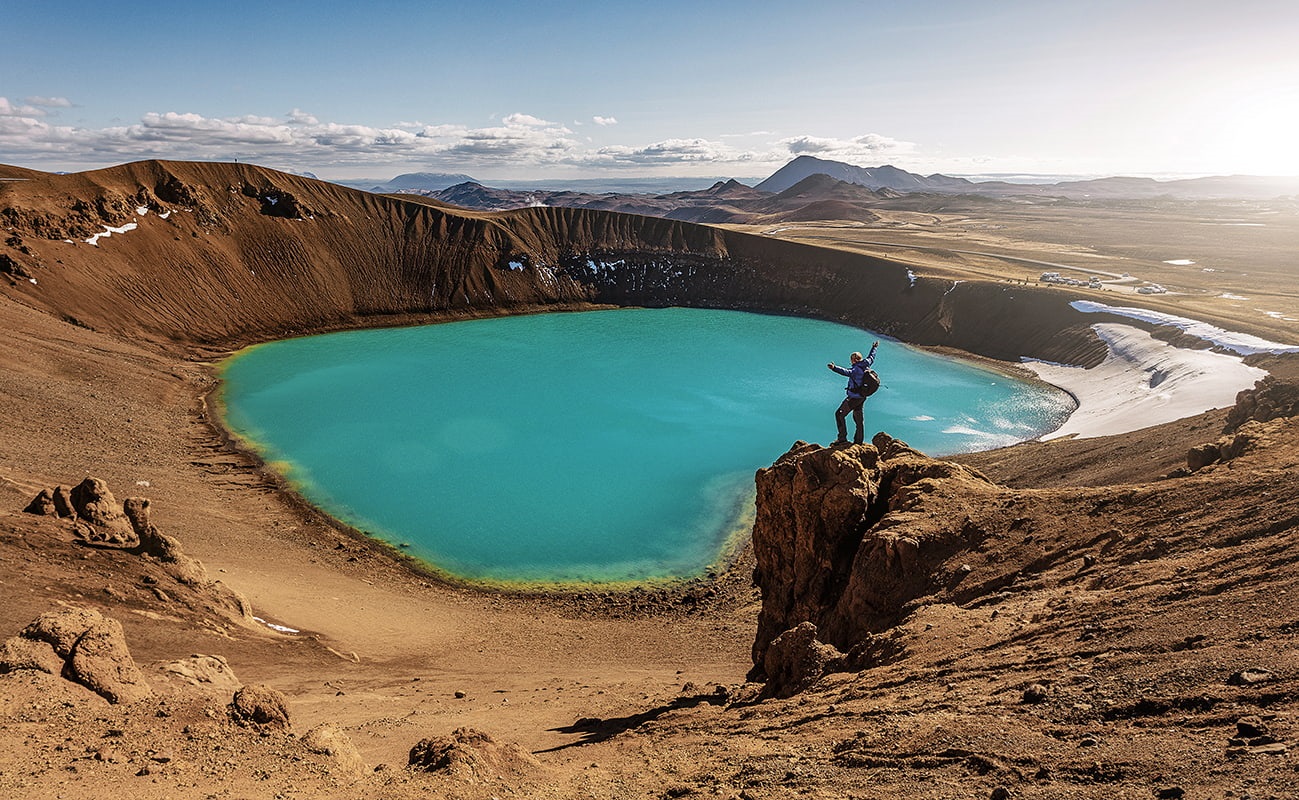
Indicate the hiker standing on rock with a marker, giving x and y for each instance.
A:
(862, 383)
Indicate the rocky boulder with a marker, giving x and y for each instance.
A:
(10, 266)
(99, 517)
(204, 671)
(100, 521)
(1247, 437)
(42, 504)
(1271, 398)
(329, 740)
(261, 708)
(166, 549)
(795, 660)
(472, 756)
(82, 645)
(844, 537)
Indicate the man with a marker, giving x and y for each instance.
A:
(856, 394)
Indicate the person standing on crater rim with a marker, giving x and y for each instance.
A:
(862, 383)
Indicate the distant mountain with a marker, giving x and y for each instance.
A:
(889, 178)
(815, 197)
(833, 190)
(1219, 186)
(421, 181)
(825, 187)
(471, 194)
(885, 177)
(476, 196)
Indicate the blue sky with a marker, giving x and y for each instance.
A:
(564, 90)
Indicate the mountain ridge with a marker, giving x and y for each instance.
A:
(281, 254)
(1067, 638)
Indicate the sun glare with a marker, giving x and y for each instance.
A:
(1247, 125)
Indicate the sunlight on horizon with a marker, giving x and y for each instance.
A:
(1243, 121)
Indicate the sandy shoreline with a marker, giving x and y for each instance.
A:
(1143, 382)
(1086, 570)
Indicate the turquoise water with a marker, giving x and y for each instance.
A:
(597, 447)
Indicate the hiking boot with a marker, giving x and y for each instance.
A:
(838, 442)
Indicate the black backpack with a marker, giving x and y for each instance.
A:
(870, 383)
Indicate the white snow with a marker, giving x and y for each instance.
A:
(140, 211)
(274, 627)
(109, 231)
(1180, 262)
(1230, 296)
(911, 276)
(1143, 382)
(164, 214)
(1242, 344)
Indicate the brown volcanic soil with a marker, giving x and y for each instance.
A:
(1154, 621)
(1243, 277)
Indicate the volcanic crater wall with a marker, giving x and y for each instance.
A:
(226, 254)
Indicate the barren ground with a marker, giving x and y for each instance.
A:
(1140, 647)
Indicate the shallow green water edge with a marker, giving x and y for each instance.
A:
(736, 517)
(281, 474)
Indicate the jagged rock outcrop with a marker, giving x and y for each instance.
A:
(472, 756)
(98, 517)
(261, 708)
(283, 254)
(11, 266)
(1254, 421)
(152, 542)
(844, 537)
(1247, 437)
(1271, 398)
(83, 646)
(97, 520)
(795, 660)
(42, 504)
(276, 202)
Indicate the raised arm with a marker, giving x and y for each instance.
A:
(870, 357)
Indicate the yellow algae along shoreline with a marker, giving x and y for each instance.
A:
(107, 359)
(284, 474)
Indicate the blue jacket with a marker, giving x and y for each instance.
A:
(856, 373)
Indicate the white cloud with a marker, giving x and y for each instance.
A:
(525, 120)
(869, 147)
(668, 151)
(520, 144)
(8, 109)
(194, 129)
(300, 117)
(49, 102)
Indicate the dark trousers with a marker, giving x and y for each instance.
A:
(853, 405)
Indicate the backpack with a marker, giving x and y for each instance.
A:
(870, 383)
